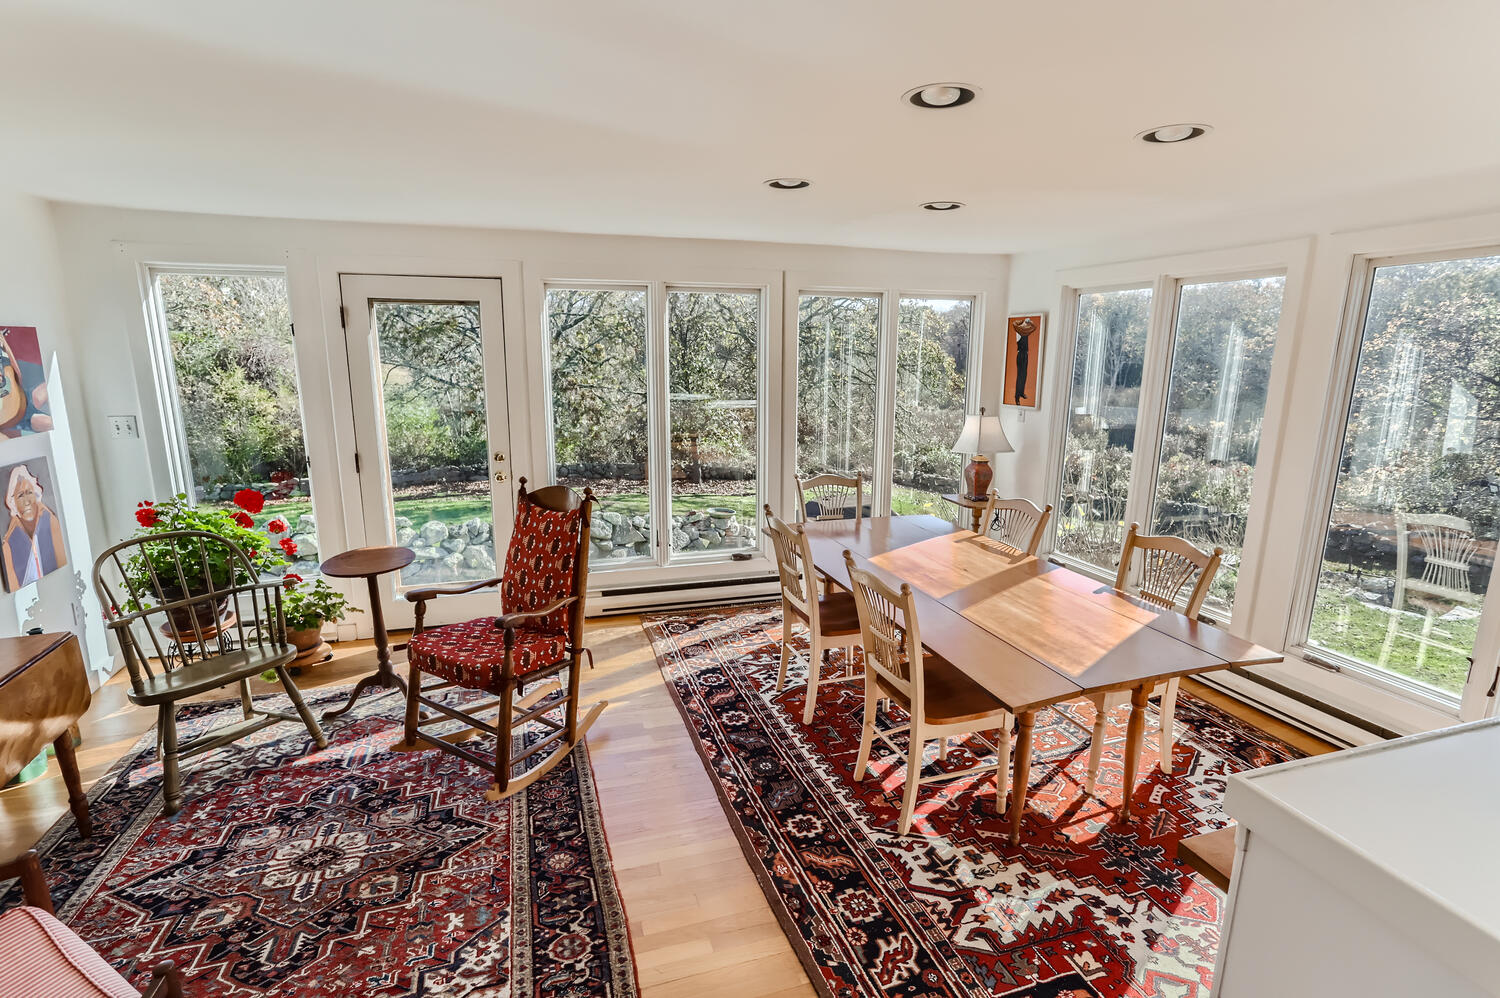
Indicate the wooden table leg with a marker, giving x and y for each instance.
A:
(978, 517)
(384, 676)
(1135, 733)
(1019, 785)
(68, 763)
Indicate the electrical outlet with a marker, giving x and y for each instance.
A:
(123, 426)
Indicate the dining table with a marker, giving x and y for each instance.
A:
(1032, 632)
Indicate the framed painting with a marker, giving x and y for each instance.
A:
(31, 544)
(1023, 358)
(23, 383)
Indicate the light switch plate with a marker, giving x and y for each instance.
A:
(123, 426)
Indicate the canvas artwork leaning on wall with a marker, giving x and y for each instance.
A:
(32, 543)
(23, 383)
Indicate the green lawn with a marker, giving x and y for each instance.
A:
(1349, 627)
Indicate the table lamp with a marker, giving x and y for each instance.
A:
(982, 436)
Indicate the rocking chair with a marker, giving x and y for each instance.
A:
(538, 635)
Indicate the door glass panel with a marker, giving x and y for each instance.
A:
(235, 372)
(838, 357)
(597, 344)
(713, 409)
(1108, 363)
(431, 370)
(1410, 545)
(932, 391)
(1221, 368)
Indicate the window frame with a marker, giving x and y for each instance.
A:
(1166, 276)
(1329, 449)
(661, 567)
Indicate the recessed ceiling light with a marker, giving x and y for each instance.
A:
(942, 205)
(1167, 134)
(940, 95)
(788, 183)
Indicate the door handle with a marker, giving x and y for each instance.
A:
(1494, 683)
(501, 476)
(499, 457)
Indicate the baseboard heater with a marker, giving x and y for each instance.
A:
(1297, 696)
(677, 596)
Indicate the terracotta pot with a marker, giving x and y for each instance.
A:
(306, 638)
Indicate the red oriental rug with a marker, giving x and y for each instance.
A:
(1083, 908)
(351, 871)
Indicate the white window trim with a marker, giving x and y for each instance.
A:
(1165, 276)
(1329, 449)
(544, 275)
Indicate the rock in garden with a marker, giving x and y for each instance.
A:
(427, 552)
(453, 563)
(479, 559)
(679, 538)
(434, 532)
(403, 522)
(306, 524)
(610, 517)
(405, 535)
(476, 530)
(307, 545)
(455, 544)
(600, 530)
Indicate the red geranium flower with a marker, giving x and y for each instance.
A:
(243, 519)
(277, 526)
(291, 580)
(289, 546)
(250, 500)
(146, 515)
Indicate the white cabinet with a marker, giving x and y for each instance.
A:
(1370, 872)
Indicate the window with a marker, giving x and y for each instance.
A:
(1216, 398)
(233, 370)
(838, 370)
(1409, 549)
(713, 356)
(932, 394)
(597, 342)
(1103, 408)
(432, 393)
(699, 477)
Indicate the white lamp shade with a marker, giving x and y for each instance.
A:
(982, 434)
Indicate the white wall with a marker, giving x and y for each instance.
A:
(104, 252)
(1318, 247)
(31, 294)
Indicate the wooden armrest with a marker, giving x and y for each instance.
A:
(27, 868)
(165, 981)
(432, 592)
(511, 621)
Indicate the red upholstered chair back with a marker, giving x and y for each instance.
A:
(548, 556)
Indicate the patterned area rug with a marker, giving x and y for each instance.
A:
(356, 870)
(1083, 908)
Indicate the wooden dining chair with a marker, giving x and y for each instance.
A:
(1170, 568)
(191, 616)
(1017, 523)
(536, 637)
(831, 497)
(830, 618)
(941, 702)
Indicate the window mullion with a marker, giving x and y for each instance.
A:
(885, 407)
(659, 454)
(1151, 411)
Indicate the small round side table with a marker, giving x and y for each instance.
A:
(369, 564)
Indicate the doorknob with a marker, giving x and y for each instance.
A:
(501, 476)
(499, 457)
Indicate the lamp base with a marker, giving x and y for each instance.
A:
(977, 477)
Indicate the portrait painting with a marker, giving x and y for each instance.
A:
(1023, 359)
(23, 383)
(32, 544)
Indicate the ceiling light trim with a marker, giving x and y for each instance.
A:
(1195, 130)
(923, 97)
(788, 183)
(941, 205)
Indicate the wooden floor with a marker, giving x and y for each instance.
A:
(699, 921)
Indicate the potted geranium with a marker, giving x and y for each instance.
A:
(307, 606)
(170, 571)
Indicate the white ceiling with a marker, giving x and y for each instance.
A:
(662, 117)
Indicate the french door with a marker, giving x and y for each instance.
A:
(432, 435)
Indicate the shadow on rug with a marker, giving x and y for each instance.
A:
(356, 870)
(1083, 908)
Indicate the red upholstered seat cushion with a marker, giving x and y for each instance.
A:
(540, 562)
(42, 958)
(472, 654)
